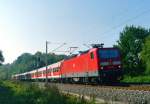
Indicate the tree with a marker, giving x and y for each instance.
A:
(1, 58)
(39, 59)
(145, 55)
(130, 43)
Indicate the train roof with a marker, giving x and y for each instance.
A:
(81, 53)
(89, 50)
(21, 74)
(55, 64)
(43, 68)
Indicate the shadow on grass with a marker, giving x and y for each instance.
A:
(6, 95)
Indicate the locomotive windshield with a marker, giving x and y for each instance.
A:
(108, 53)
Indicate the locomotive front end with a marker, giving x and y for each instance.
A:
(110, 68)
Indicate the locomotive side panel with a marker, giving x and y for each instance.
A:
(93, 66)
(81, 66)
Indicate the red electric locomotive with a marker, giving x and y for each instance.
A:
(95, 65)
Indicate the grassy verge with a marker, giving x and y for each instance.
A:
(21, 93)
(137, 79)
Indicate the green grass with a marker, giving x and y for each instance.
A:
(23, 93)
(137, 79)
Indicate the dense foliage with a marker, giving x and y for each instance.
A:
(145, 55)
(27, 61)
(1, 58)
(131, 44)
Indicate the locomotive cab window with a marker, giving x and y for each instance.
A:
(92, 55)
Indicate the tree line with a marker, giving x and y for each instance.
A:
(28, 62)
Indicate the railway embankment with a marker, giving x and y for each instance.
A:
(56, 93)
(109, 94)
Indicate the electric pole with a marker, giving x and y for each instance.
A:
(46, 81)
(46, 58)
(37, 66)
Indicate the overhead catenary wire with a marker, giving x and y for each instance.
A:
(126, 21)
(87, 45)
(58, 47)
(70, 50)
(126, 11)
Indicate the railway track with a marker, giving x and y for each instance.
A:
(127, 86)
(121, 86)
(126, 93)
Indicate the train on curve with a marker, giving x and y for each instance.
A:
(95, 65)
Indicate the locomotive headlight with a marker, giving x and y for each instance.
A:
(102, 67)
(119, 66)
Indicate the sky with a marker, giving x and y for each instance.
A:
(25, 25)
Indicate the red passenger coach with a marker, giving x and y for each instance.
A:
(54, 71)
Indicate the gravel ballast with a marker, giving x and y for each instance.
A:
(107, 94)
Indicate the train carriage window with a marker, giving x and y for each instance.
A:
(44, 72)
(50, 71)
(40, 72)
(92, 55)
